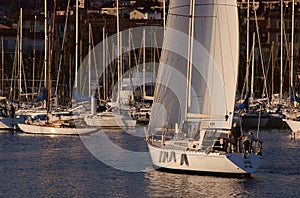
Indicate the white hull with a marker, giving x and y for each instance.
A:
(293, 124)
(110, 121)
(49, 130)
(233, 163)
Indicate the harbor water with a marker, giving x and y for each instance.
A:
(62, 166)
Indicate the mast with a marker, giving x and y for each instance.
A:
(273, 68)
(118, 52)
(121, 59)
(33, 60)
(113, 52)
(107, 58)
(265, 91)
(129, 58)
(49, 84)
(20, 53)
(2, 69)
(89, 59)
(247, 48)
(252, 70)
(154, 60)
(45, 45)
(190, 59)
(281, 50)
(104, 63)
(62, 49)
(292, 42)
(144, 63)
(164, 13)
(76, 46)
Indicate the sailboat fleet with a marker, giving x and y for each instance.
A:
(192, 124)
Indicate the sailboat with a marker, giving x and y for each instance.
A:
(191, 120)
(113, 117)
(56, 126)
(292, 119)
(20, 114)
(255, 114)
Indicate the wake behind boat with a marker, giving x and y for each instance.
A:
(190, 124)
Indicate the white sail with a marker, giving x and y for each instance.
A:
(215, 63)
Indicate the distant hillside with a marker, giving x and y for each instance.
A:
(13, 6)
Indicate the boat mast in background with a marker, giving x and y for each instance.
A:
(76, 46)
(62, 49)
(2, 69)
(49, 82)
(281, 50)
(252, 71)
(20, 53)
(118, 53)
(45, 44)
(292, 42)
(89, 59)
(164, 13)
(33, 59)
(247, 49)
(104, 61)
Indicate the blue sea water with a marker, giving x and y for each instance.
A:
(63, 166)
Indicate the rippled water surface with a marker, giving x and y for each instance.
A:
(62, 166)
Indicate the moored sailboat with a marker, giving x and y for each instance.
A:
(113, 117)
(57, 126)
(190, 124)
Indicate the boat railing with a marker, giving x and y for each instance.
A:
(162, 135)
(246, 145)
(227, 145)
(239, 145)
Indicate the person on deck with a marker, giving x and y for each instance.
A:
(236, 131)
(12, 111)
(247, 141)
(4, 111)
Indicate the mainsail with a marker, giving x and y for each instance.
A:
(214, 57)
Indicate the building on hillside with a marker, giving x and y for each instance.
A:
(143, 14)
(123, 11)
